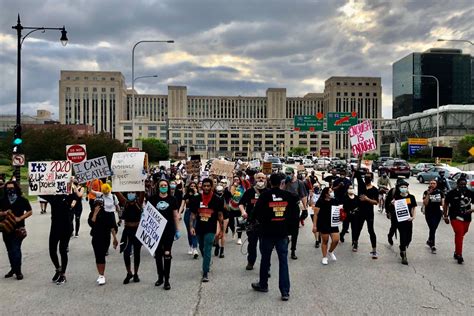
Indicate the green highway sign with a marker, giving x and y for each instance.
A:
(309, 123)
(341, 121)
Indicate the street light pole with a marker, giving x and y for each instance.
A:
(133, 82)
(437, 104)
(20, 39)
(455, 40)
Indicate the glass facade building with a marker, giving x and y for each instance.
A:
(451, 67)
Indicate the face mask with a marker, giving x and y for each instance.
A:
(219, 188)
(131, 196)
(12, 196)
(403, 190)
(163, 189)
(368, 180)
(331, 195)
(288, 178)
(350, 191)
(173, 186)
(195, 181)
(260, 185)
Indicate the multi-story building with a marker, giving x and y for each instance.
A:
(216, 125)
(8, 122)
(412, 93)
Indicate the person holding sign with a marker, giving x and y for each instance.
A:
(433, 199)
(326, 221)
(206, 210)
(405, 211)
(168, 208)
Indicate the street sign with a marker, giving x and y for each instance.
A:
(471, 151)
(309, 123)
(76, 153)
(418, 141)
(341, 121)
(18, 160)
(133, 149)
(325, 152)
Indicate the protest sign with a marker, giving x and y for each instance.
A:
(267, 167)
(151, 227)
(335, 215)
(254, 164)
(222, 168)
(204, 175)
(401, 210)
(362, 138)
(128, 173)
(300, 168)
(193, 167)
(165, 163)
(49, 177)
(91, 169)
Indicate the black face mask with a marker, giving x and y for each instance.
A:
(368, 180)
(11, 191)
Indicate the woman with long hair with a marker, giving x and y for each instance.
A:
(191, 193)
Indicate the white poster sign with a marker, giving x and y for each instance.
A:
(254, 164)
(49, 177)
(128, 173)
(151, 227)
(165, 163)
(222, 168)
(91, 169)
(335, 215)
(362, 138)
(401, 210)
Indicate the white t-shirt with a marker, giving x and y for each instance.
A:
(314, 199)
(110, 201)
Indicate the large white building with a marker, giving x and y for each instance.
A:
(216, 125)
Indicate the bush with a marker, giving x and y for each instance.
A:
(5, 162)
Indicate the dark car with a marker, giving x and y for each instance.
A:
(276, 162)
(395, 168)
(337, 164)
(290, 160)
(380, 161)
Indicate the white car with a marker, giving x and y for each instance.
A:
(322, 164)
(308, 163)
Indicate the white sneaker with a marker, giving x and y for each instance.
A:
(190, 251)
(195, 253)
(332, 256)
(325, 261)
(239, 241)
(101, 280)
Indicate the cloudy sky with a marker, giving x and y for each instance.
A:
(222, 47)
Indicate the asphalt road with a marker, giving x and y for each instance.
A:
(355, 284)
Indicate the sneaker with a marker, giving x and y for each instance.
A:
(428, 244)
(249, 267)
(167, 286)
(56, 276)
(205, 278)
(316, 245)
(195, 253)
(239, 241)
(354, 247)
(190, 251)
(76, 236)
(433, 250)
(9, 274)
(257, 287)
(127, 278)
(455, 256)
(101, 280)
(390, 240)
(293, 255)
(332, 256)
(216, 250)
(325, 261)
(19, 276)
(285, 297)
(159, 282)
(341, 238)
(61, 280)
(460, 260)
(374, 254)
(136, 279)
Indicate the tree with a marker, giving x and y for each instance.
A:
(298, 151)
(461, 151)
(404, 151)
(157, 149)
(47, 143)
(102, 144)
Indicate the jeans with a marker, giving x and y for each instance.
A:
(405, 229)
(205, 246)
(252, 247)
(192, 240)
(266, 249)
(13, 245)
(460, 229)
(433, 221)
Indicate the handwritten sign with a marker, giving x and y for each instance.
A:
(401, 210)
(150, 230)
(267, 167)
(91, 169)
(300, 168)
(254, 164)
(128, 171)
(165, 163)
(362, 138)
(49, 177)
(222, 168)
(193, 167)
(335, 215)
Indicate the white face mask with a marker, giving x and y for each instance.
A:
(219, 188)
(350, 191)
(331, 195)
(260, 185)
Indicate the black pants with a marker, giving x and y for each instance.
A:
(163, 261)
(77, 216)
(60, 237)
(233, 215)
(100, 244)
(252, 247)
(405, 229)
(393, 225)
(132, 242)
(359, 220)
(345, 226)
(433, 221)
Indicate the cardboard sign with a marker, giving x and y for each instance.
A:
(267, 167)
(300, 168)
(401, 210)
(128, 171)
(151, 227)
(96, 168)
(165, 163)
(49, 177)
(362, 138)
(254, 164)
(222, 168)
(193, 167)
(335, 215)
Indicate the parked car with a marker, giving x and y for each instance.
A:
(290, 160)
(380, 161)
(337, 164)
(298, 159)
(321, 164)
(421, 167)
(395, 168)
(433, 172)
(469, 175)
(276, 162)
(308, 163)
(352, 165)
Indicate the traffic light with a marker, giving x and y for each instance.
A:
(17, 140)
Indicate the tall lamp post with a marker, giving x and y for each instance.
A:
(437, 104)
(20, 39)
(133, 82)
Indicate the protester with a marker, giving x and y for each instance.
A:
(94, 185)
(76, 204)
(384, 185)
(442, 182)
(323, 223)
(237, 190)
(191, 193)
(390, 209)
(350, 205)
(43, 205)
(340, 187)
(13, 203)
(314, 199)
(220, 242)
(276, 211)
(458, 206)
(433, 200)
(168, 208)
(206, 211)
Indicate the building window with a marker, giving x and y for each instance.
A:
(338, 94)
(366, 83)
(176, 135)
(127, 128)
(367, 94)
(223, 135)
(112, 89)
(223, 142)
(280, 135)
(268, 142)
(375, 94)
(338, 83)
(68, 89)
(112, 79)
(313, 136)
(360, 94)
(360, 83)
(234, 135)
(352, 83)
(257, 136)
(94, 89)
(345, 94)
(211, 135)
(353, 94)
(374, 84)
(76, 89)
(103, 78)
(152, 128)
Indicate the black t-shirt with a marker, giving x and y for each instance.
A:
(340, 193)
(207, 215)
(249, 199)
(166, 206)
(103, 225)
(351, 206)
(19, 207)
(434, 204)
(178, 195)
(277, 211)
(132, 212)
(61, 211)
(411, 201)
(459, 203)
(372, 193)
(324, 215)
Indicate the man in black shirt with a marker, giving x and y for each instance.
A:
(433, 199)
(458, 205)
(246, 205)
(276, 209)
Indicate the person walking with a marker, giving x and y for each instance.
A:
(191, 193)
(351, 204)
(433, 200)
(220, 242)
(76, 203)
(323, 223)
(237, 190)
(340, 186)
(19, 208)
(277, 209)
(206, 212)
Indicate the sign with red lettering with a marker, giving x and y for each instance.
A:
(362, 138)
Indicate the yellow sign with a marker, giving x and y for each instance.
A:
(471, 151)
(418, 141)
